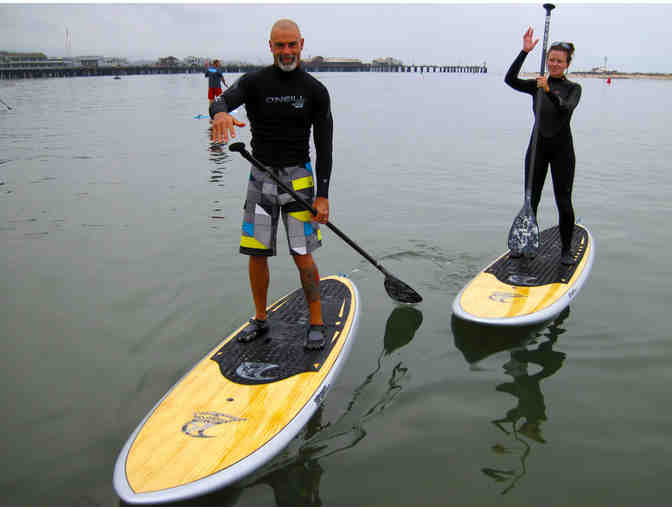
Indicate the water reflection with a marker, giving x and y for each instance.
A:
(221, 157)
(523, 422)
(219, 154)
(295, 474)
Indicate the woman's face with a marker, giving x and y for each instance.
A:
(557, 63)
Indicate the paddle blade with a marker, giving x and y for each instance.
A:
(399, 291)
(524, 233)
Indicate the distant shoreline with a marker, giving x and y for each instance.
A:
(614, 76)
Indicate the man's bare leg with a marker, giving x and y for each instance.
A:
(259, 279)
(310, 281)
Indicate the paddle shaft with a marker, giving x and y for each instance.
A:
(537, 109)
(239, 147)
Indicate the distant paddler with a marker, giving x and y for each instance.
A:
(554, 143)
(215, 80)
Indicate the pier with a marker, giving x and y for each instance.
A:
(18, 73)
(10, 72)
(372, 68)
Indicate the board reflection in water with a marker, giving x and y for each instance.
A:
(529, 348)
(295, 474)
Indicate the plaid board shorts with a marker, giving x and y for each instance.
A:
(266, 202)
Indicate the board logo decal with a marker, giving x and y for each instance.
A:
(504, 297)
(521, 279)
(202, 421)
(254, 371)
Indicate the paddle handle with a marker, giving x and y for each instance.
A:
(549, 8)
(535, 135)
(240, 148)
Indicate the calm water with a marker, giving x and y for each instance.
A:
(120, 225)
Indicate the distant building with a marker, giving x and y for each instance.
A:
(602, 69)
(168, 61)
(195, 61)
(334, 63)
(116, 61)
(342, 61)
(10, 60)
(387, 61)
(314, 60)
(8, 56)
(345, 63)
(89, 60)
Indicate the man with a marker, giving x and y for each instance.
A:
(215, 79)
(282, 102)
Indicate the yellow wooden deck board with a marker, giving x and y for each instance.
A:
(163, 456)
(487, 297)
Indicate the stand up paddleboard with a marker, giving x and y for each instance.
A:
(241, 404)
(520, 291)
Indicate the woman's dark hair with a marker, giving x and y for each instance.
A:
(567, 47)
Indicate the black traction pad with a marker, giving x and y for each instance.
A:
(545, 268)
(279, 353)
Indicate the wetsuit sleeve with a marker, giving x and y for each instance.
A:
(512, 80)
(566, 105)
(323, 134)
(231, 99)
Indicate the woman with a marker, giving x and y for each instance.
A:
(554, 143)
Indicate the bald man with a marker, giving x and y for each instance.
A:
(283, 103)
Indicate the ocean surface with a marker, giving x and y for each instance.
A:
(120, 223)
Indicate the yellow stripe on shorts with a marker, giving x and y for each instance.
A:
(302, 216)
(251, 242)
(302, 183)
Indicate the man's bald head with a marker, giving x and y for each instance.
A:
(285, 24)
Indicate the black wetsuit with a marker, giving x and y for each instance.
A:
(282, 106)
(554, 145)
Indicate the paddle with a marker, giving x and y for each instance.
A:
(524, 232)
(395, 288)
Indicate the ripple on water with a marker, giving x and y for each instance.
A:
(440, 270)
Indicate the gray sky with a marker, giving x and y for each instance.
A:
(633, 36)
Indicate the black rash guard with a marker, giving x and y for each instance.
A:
(555, 145)
(282, 106)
